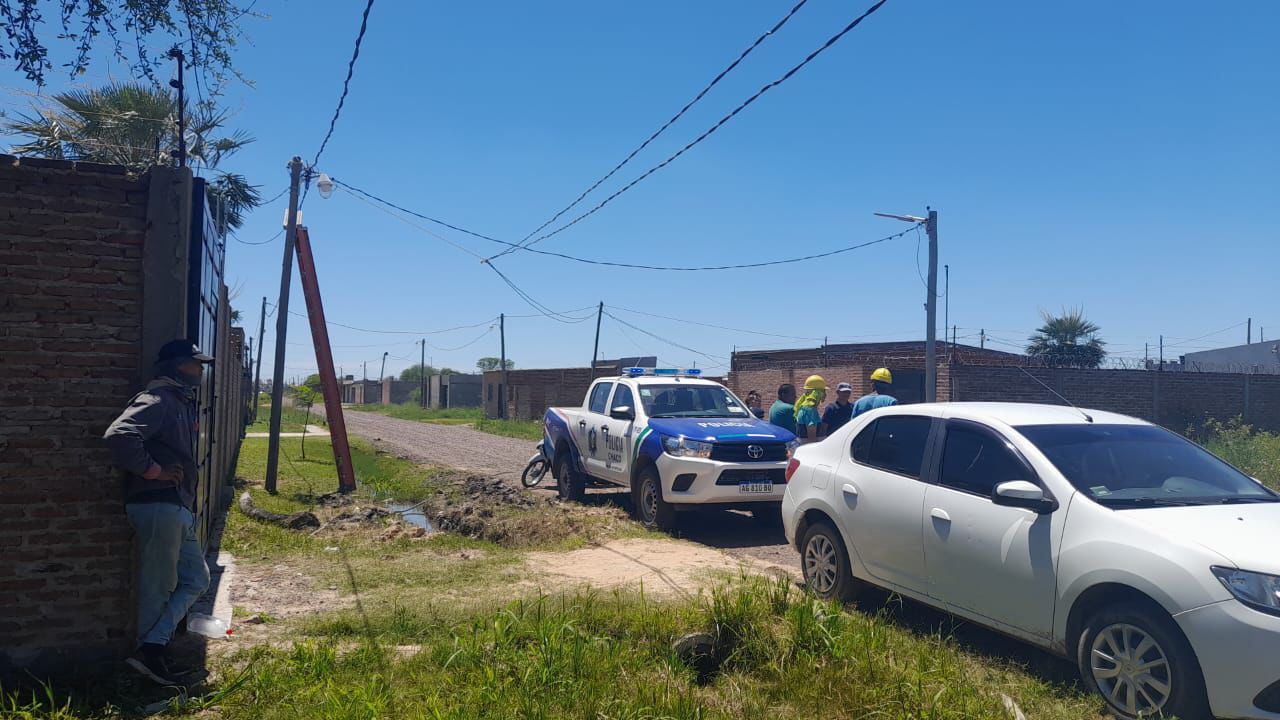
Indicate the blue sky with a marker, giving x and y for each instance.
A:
(1117, 156)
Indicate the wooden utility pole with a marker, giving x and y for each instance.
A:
(502, 363)
(180, 85)
(257, 377)
(324, 358)
(282, 325)
(595, 350)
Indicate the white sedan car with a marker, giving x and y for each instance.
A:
(1145, 559)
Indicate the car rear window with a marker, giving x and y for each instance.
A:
(600, 397)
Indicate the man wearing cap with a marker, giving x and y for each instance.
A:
(881, 384)
(839, 412)
(153, 441)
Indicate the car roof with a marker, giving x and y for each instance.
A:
(665, 380)
(1017, 414)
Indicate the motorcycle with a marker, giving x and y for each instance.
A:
(539, 466)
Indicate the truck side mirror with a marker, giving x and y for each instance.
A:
(622, 412)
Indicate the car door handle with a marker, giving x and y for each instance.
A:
(939, 514)
(582, 423)
(849, 489)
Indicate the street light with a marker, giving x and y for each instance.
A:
(930, 303)
(325, 185)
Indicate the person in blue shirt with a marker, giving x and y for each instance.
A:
(881, 384)
(839, 412)
(807, 420)
(782, 411)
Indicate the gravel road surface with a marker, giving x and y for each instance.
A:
(468, 449)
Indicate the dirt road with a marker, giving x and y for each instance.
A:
(500, 457)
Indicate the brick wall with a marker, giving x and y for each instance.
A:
(71, 240)
(533, 391)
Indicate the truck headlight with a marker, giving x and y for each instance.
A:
(791, 448)
(684, 447)
(1259, 591)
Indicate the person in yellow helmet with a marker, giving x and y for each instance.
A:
(881, 384)
(806, 412)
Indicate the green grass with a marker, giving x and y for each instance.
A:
(523, 429)
(1256, 453)
(607, 655)
(291, 419)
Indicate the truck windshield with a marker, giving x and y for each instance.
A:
(1142, 466)
(670, 401)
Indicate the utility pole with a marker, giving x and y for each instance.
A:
(1146, 355)
(595, 351)
(954, 330)
(364, 364)
(382, 374)
(282, 325)
(422, 375)
(946, 302)
(257, 378)
(982, 338)
(179, 84)
(931, 301)
(1248, 337)
(502, 360)
(1162, 352)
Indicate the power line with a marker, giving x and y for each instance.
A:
(543, 309)
(1201, 337)
(264, 242)
(718, 327)
(787, 76)
(346, 84)
(488, 331)
(428, 218)
(776, 27)
(665, 340)
(428, 231)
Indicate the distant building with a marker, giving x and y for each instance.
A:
(1261, 357)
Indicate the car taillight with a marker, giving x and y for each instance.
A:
(791, 468)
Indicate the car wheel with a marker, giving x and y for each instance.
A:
(569, 482)
(1138, 660)
(651, 509)
(825, 562)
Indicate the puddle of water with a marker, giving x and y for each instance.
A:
(412, 513)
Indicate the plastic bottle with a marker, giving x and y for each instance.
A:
(210, 627)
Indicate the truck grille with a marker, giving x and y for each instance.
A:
(777, 476)
(741, 452)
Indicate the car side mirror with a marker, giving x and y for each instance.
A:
(1023, 494)
(622, 412)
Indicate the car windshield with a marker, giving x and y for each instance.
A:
(671, 401)
(1142, 466)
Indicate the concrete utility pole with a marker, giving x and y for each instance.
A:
(180, 85)
(257, 377)
(982, 338)
(931, 302)
(422, 375)
(502, 363)
(1248, 335)
(282, 324)
(1162, 352)
(382, 374)
(595, 351)
(946, 302)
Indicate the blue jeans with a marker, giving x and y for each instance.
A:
(172, 571)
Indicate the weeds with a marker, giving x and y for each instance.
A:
(1256, 453)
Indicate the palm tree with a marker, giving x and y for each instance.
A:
(1068, 340)
(135, 125)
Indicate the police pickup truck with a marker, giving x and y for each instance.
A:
(676, 440)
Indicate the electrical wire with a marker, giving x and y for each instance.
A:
(659, 338)
(709, 325)
(428, 218)
(488, 331)
(786, 76)
(543, 309)
(1201, 337)
(346, 84)
(702, 93)
(264, 242)
(277, 197)
(428, 231)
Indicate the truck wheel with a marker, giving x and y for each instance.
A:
(569, 482)
(1138, 660)
(651, 509)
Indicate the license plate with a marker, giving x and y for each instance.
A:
(755, 487)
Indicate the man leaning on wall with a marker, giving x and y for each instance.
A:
(153, 441)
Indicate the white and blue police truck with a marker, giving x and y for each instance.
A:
(676, 440)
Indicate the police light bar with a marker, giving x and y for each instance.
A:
(661, 372)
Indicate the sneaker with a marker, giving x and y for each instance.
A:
(148, 663)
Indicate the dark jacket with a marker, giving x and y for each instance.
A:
(158, 426)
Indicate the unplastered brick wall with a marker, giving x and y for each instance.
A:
(71, 240)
